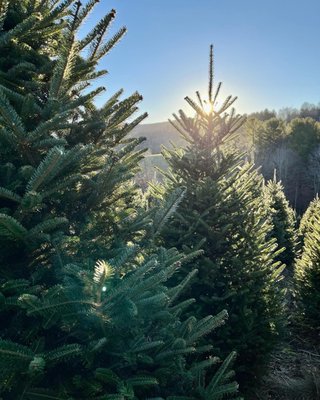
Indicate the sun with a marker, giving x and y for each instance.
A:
(207, 107)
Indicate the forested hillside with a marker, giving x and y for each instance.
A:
(202, 284)
(157, 135)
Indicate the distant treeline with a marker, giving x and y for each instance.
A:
(289, 149)
(289, 113)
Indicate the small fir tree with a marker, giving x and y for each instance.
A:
(223, 214)
(307, 268)
(73, 327)
(307, 220)
(283, 221)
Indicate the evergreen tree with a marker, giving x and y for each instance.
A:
(307, 270)
(30, 34)
(283, 222)
(223, 214)
(304, 136)
(271, 134)
(85, 310)
(308, 220)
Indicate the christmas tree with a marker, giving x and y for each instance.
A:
(307, 271)
(283, 221)
(85, 309)
(223, 214)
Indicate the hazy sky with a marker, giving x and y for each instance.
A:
(267, 52)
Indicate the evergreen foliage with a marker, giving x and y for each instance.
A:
(222, 212)
(308, 219)
(268, 136)
(307, 270)
(304, 136)
(283, 222)
(85, 310)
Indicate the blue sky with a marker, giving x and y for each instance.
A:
(267, 52)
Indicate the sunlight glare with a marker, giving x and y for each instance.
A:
(207, 107)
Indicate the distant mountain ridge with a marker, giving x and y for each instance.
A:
(158, 134)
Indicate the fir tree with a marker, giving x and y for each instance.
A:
(283, 222)
(85, 310)
(30, 34)
(223, 214)
(307, 271)
(308, 220)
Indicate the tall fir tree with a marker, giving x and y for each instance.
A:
(85, 311)
(223, 214)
